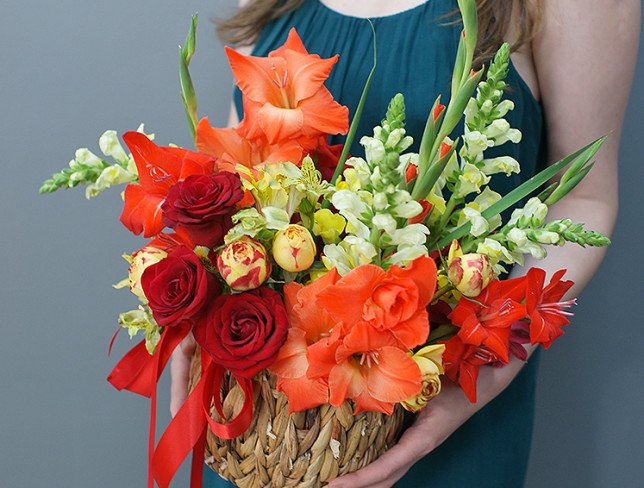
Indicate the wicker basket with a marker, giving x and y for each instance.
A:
(305, 449)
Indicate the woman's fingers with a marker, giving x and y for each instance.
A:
(389, 467)
(180, 373)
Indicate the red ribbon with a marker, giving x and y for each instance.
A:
(187, 430)
(139, 371)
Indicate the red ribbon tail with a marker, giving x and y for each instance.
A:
(138, 371)
(186, 432)
(213, 377)
(109, 349)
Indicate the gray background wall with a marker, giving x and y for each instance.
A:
(71, 69)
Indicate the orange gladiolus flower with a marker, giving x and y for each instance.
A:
(391, 302)
(231, 148)
(159, 168)
(357, 348)
(308, 325)
(285, 97)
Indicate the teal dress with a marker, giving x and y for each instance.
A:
(416, 49)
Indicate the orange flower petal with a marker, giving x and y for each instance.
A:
(395, 377)
(363, 337)
(358, 285)
(258, 78)
(279, 123)
(321, 357)
(158, 168)
(307, 74)
(304, 393)
(324, 114)
(291, 359)
(422, 271)
(293, 42)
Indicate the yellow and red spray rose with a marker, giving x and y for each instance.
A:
(244, 264)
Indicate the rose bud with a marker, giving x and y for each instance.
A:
(203, 205)
(141, 260)
(470, 273)
(244, 332)
(430, 362)
(178, 287)
(243, 264)
(294, 249)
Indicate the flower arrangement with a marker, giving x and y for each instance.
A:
(334, 282)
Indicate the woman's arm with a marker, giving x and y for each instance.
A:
(584, 59)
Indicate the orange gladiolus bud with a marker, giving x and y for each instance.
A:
(438, 110)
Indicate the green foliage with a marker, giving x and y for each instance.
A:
(77, 173)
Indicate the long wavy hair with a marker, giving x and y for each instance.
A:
(495, 18)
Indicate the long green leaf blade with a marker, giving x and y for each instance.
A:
(525, 189)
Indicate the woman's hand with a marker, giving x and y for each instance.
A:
(433, 425)
(444, 414)
(180, 373)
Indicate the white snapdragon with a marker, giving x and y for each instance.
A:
(406, 255)
(111, 146)
(352, 208)
(503, 164)
(374, 150)
(533, 213)
(385, 222)
(410, 235)
(470, 180)
(501, 132)
(352, 252)
(497, 252)
(110, 176)
(474, 144)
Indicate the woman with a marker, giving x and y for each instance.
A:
(570, 76)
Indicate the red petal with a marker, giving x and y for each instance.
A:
(142, 211)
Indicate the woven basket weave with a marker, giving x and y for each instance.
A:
(305, 449)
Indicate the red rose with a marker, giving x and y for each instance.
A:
(178, 287)
(203, 205)
(244, 332)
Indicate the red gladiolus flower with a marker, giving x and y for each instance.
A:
(159, 168)
(546, 312)
(462, 362)
(486, 319)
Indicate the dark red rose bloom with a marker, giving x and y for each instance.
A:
(203, 205)
(179, 287)
(244, 332)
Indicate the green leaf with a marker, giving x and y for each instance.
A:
(188, 96)
(429, 136)
(579, 157)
